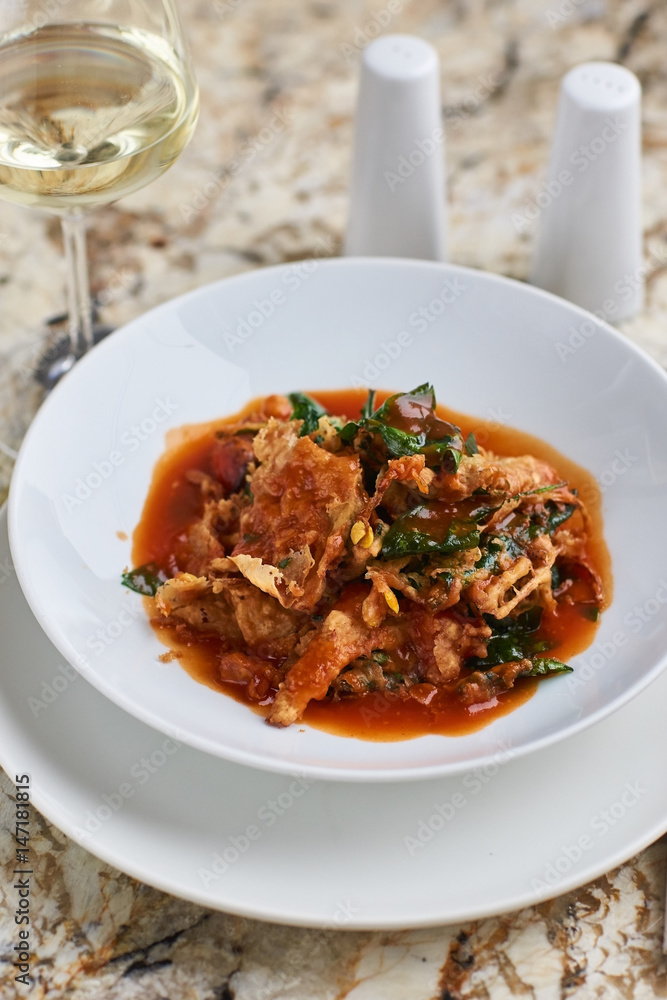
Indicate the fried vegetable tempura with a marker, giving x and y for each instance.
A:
(337, 557)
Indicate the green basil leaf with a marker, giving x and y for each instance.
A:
(543, 666)
(367, 408)
(307, 409)
(418, 394)
(401, 540)
(524, 624)
(398, 443)
(493, 546)
(512, 639)
(444, 452)
(540, 489)
(425, 389)
(144, 579)
(489, 557)
(450, 460)
(471, 445)
(558, 514)
(500, 649)
(348, 431)
(590, 611)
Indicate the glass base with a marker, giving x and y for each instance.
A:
(58, 357)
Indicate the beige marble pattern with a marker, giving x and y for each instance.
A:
(99, 934)
(265, 181)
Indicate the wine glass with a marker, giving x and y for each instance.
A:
(97, 99)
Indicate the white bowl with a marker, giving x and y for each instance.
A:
(493, 347)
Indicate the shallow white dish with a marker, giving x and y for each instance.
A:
(334, 854)
(493, 347)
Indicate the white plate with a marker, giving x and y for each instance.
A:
(521, 830)
(493, 347)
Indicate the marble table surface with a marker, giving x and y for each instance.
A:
(265, 181)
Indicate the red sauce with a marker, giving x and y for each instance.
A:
(173, 504)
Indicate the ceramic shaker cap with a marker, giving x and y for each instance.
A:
(397, 196)
(589, 241)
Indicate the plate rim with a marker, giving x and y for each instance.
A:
(239, 755)
(54, 810)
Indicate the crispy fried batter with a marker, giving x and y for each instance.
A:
(257, 675)
(344, 636)
(495, 474)
(286, 562)
(190, 599)
(498, 595)
(481, 686)
(268, 629)
(410, 470)
(444, 641)
(305, 500)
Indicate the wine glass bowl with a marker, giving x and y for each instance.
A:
(109, 117)
(97, 99)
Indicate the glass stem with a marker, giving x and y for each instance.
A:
(79, 304)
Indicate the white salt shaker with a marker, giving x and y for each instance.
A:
(589, 247)
(397, 195)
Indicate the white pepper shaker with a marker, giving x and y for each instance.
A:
(397, 194)
(589, 247)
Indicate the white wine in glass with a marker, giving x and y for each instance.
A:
(97, 99)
